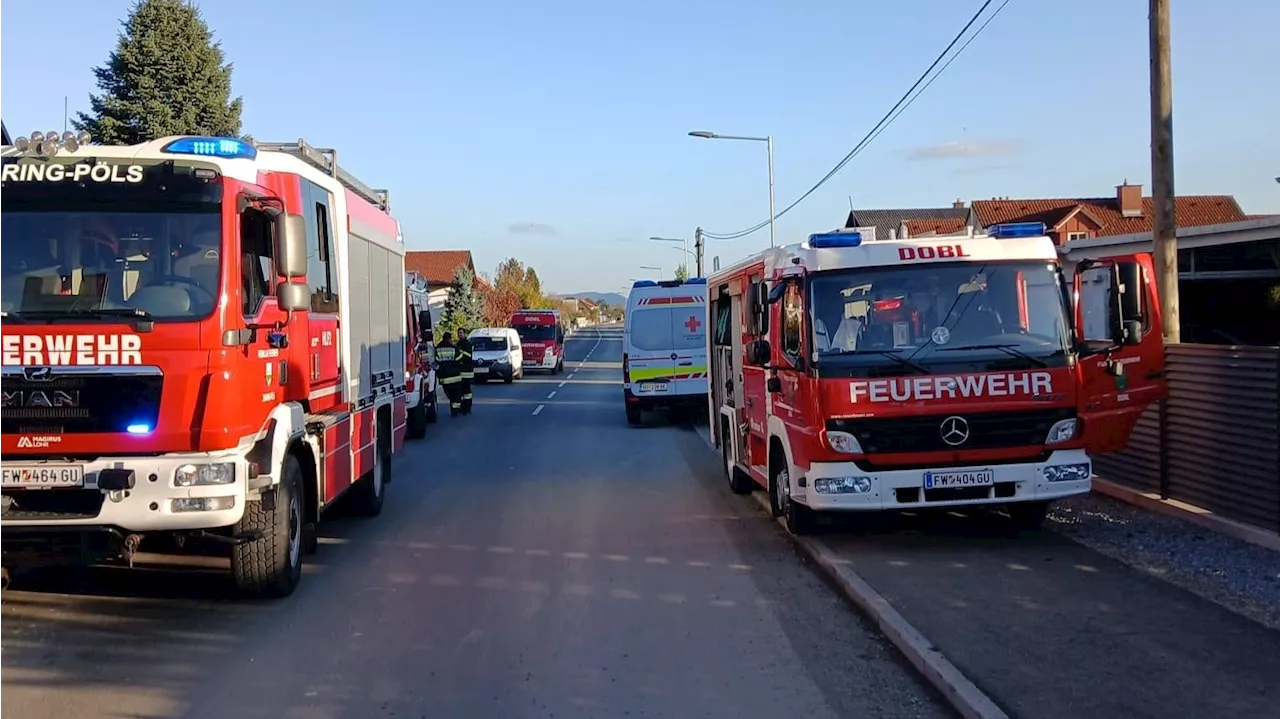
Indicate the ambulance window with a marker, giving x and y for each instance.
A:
(792, 323)
(257, 266)
(651, 329)
(689, 327)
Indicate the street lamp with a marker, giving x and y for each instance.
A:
(652, 267)
(768, 140)
(683, 241)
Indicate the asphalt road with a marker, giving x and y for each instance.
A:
(536, 559)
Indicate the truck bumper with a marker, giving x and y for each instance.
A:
(1067, 473)
(154, 503)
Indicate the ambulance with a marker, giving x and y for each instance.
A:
(204, 344)
(917, 374)
(664, 346)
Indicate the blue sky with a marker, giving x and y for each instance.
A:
(555, 132)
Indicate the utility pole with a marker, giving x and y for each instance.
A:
(697, 248)
(1165, 227)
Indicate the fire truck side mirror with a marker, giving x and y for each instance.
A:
(291, 245)
(761, 352)
(293, 297)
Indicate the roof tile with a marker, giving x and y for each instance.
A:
(1190, 211)
(437, 266)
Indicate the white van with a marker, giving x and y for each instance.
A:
(496, 354)
(664, 346)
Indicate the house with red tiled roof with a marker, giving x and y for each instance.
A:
(437, 267)
(1127, 213)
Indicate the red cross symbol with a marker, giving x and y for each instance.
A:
(693, 324)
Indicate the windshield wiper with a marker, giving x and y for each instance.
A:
(891, 355)
(130, 313)
(1010, 350)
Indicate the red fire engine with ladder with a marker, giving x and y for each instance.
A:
(203, 341)
(927, 373)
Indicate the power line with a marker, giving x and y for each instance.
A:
(898, 108)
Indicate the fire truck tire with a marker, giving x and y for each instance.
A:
(739, 482)
(416, 422)
(271, 565)
(800, 519)
(633, 415)
(432, 414)
(1028, 516)
(368, 494)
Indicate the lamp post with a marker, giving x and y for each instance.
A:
(681, 240)
(652, 267)
(768, 141)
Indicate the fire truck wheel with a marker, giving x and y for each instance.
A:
(367, 495)
(633, 415)
(739, 482)
(417, 419)
(271, 565)
(800, 519)
(432, 414)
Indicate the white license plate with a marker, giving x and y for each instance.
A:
(482, 370)
(650, 387)
(959, 479)
(44, 476)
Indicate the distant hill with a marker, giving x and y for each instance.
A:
(612, 298)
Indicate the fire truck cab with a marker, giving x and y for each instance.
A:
(203, 341)
(927, 373)
(420, 374)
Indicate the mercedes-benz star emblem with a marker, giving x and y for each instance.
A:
(954, 431)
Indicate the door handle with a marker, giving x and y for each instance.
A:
(685, 364)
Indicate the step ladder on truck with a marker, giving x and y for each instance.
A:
(203, 342)
(852, 375)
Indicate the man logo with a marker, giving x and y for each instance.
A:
(954, 431)
(37, 374)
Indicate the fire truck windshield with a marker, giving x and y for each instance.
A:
(536, 333)
(994, 315)
(57, 264)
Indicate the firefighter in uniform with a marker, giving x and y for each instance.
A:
(467, 368)
(449, 373)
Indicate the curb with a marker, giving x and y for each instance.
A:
(955, 687)
(1152, 502)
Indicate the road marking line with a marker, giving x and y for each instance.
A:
(553, 394)
(655, 560)
(537, 410)
(616, 557)
(537, 553)
(723, 603)
(501, 550)
(575, 555)
(692, 563)
(623, 594)
(740, 566)
(563, 383)
(462, 547)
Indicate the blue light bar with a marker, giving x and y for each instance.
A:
(696, 281)
(138, 428)
(224, 147)
(643, 283)
(1017, 229)
(835, 239)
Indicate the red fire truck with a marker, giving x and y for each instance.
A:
(927, 373)
(420, 375)
(542, 336)
(203, 341)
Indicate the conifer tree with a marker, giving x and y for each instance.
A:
(167, 76)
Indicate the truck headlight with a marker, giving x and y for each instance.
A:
(203, 475)
(1062, 431)
(843, 442)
